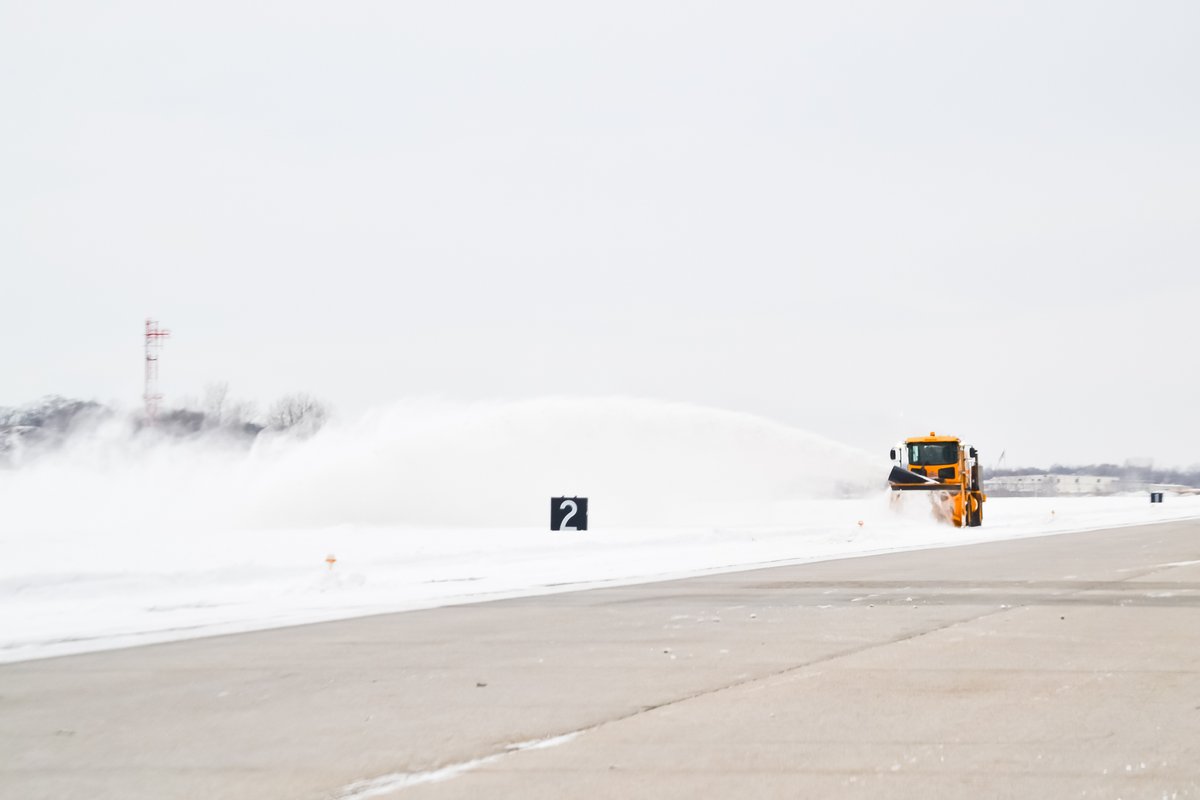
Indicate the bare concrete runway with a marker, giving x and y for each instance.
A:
(1064, 666)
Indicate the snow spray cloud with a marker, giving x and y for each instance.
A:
(435, 464)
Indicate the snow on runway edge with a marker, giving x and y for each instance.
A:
(233, 581)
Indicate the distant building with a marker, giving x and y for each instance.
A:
(1017, 484)
(1049, 485)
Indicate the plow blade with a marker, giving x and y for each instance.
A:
(902, 480)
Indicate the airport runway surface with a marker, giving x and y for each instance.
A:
(1061, 666)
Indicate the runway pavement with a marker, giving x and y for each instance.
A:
(1061, 666)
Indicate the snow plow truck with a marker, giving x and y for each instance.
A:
(947, 470)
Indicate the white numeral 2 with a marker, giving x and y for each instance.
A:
(574, 508)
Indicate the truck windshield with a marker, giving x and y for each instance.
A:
(936, 453)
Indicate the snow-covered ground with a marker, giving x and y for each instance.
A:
(111, 544)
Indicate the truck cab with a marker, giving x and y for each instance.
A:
(934, 456)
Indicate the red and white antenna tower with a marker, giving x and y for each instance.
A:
(154, 340)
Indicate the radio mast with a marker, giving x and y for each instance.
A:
(154, 340)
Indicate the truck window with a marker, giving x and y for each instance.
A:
(933, 453)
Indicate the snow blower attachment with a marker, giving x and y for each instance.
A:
(942, 466)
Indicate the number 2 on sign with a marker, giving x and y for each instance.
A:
(574, 509)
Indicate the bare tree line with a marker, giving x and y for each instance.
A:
(49, 422)
(298, 412)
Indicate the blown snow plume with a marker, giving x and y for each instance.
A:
(425, 463)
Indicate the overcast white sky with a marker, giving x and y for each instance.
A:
(867, 219)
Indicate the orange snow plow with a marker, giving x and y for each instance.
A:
(942, 466)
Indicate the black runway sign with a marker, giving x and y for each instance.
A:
(568, 513)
